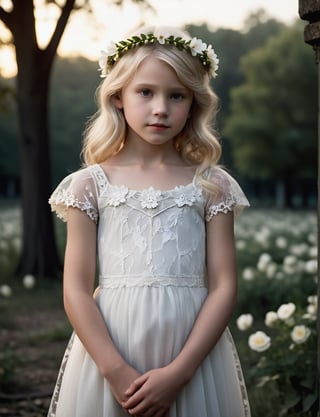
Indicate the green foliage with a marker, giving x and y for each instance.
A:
(273, 123)
(8, 364)
(277, 259)
(74, 82)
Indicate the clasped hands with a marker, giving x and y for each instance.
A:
(148, 395)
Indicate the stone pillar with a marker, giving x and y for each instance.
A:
(310, 10)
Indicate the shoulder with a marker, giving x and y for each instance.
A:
(223, 193)
(79, 190)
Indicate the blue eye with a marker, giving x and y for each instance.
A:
(145, 92)
(177, 96)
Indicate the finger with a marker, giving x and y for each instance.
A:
(136, 384)
(133, 401)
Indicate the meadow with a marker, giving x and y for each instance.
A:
(274, 324)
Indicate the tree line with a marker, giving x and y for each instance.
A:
(267, 120)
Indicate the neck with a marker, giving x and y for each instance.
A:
(139, 152)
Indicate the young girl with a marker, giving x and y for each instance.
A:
(153, 339)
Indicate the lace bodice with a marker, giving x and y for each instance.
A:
(148, 236)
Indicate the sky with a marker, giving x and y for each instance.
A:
(108, 23)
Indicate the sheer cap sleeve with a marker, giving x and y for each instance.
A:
(227, 196)
(76, 190)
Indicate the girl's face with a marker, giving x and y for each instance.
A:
(156, 105)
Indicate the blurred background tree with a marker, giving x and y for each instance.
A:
(273, 121)
(39, 253)
(262, 102)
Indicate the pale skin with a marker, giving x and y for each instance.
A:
(156, 106)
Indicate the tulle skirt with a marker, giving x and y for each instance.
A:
(149, 326)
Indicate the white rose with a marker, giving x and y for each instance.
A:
(311, 266)
(290, 260)
(281, 242)
(285, 311)
(5, 290)
(271, 270)
(270, 318)
(300, 334)
(241, 244)
(313, 299)
(259, 341)
(28, 281)
(244, 321)
(248, 274)
(313, 252)
(263, 261)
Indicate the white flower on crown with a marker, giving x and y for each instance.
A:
(162, 38)
(214, 61)
(104, 55)
(197, 46)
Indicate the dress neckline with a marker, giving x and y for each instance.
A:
(192, 183)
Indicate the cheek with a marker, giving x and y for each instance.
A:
(183, 114)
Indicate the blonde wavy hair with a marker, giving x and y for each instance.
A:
(197, 143)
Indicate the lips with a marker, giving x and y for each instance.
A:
(158, 125)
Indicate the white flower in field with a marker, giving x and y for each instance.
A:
(299, 249)
(263, 261)
(300, 334)
(244, 321)
(311, 313)
(285, 311)
(5, 290)
(241, 244)
(271, 269)
(313, 299)
(29, 281)
(312, 238)
(313, 252)
(312, 308)
(290, 260)
(281, 242)
(290, 264)
(248, 274)
(270, 318)
(279, 275)
(262, 236)
(259, 341)
(311, 266)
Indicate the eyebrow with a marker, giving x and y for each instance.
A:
(171, 87)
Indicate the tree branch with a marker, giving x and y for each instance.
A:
(6, 18)
(59, 29)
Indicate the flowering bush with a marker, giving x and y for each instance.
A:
(285, 353)
(277, 256)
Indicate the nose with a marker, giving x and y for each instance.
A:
(160, 106)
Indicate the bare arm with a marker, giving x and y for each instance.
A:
(81, 309)
(220, 302)
(157, 389)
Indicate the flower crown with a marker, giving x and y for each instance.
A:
(195, 46)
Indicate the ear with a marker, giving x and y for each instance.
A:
(117, 100)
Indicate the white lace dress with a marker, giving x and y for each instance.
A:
(151, 251)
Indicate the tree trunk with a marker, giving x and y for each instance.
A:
(39, 253)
